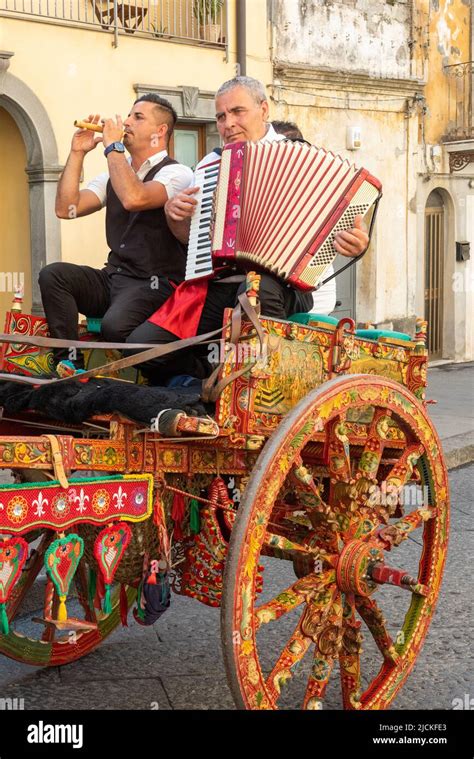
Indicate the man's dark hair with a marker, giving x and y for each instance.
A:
(288, 128)
(167, 113)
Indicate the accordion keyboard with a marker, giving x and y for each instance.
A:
(199, 259)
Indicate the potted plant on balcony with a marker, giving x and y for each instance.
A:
(207, 12)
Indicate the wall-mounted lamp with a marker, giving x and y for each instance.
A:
(353, 138)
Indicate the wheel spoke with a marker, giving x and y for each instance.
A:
(327, 635)
(301, 590)
(318, 681)
(372, 615)
(338, 451)
(372, 454)
(317, 624)
(281, 542)
(80, 579)
(394, 534)
(320, 514)
(283, 670)
(349, 656)
(397, 478)
(28, 577)
(51, 606)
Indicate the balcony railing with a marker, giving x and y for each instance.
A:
(200, 22)
(460, 97)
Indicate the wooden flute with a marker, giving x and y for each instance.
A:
(88, 125)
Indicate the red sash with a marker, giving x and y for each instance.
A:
(180, 314)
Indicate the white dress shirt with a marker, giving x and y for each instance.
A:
(175, 177)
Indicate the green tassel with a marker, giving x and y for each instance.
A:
(4, 620)
(92, 584)
(107, 601)
(194, 520)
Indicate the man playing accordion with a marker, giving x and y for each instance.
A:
(197, 307)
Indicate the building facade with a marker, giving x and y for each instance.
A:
(401, 73)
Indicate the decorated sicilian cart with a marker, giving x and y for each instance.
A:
(309, 501)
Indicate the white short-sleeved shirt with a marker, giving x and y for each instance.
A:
(324, 299)
(175, 177)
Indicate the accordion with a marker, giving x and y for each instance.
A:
(277, 206)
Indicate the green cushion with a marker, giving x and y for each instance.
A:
(93, 324)
(374, 334)
(306, 318)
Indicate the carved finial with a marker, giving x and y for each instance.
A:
(17, 303)
(253, 288)
(421, 331)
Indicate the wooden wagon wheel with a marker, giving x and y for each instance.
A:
(334, 509)
(43, 644)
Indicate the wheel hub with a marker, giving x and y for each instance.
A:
(354, 565)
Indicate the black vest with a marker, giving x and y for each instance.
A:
(141, 244)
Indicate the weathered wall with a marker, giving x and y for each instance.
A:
(355, 69)
(368, 36)
(379, 66)
(448, 37)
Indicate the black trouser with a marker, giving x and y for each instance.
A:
(277, 300)
(122, 302)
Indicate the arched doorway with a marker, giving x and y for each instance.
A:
(15, 248)
(20, 105)
(434, 272)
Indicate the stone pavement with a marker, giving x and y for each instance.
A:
(452, 385)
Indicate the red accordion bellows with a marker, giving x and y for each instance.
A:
(279, 204)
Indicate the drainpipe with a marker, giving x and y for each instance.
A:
(241, 37)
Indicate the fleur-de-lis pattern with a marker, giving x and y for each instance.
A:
(92, 500)
(40, 502)
(81, 500)
(120, 497)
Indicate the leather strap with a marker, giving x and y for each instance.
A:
(252, 315)
(211, 389)
(54, 342)
(147, 355)
(57, 460)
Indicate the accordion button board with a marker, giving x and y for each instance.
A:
(199, 259)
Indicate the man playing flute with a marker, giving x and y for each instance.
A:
(197, 307)
(145, 258)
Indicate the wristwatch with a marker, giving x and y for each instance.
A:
(118, 146)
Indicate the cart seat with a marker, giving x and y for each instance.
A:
(374, 334)
(367, 334)
(310, 317)
(94, 324)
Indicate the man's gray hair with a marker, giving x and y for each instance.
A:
(253, 86)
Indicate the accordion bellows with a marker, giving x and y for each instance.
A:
(279, 204)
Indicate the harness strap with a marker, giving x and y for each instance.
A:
(211, 388)
(121, 363)
(57, 460)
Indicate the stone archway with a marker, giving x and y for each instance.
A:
(42, 170)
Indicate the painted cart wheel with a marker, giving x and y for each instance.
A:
(352, 491)
(36, 643)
